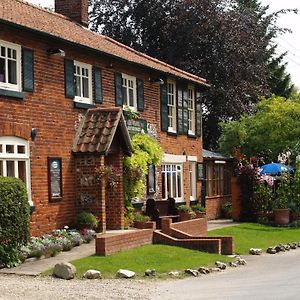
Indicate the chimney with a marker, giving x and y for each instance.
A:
(77, 10)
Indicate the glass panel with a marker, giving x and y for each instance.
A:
(77, 86)
(10, 149)
(1, 168)
(131, 98)
(10, 165)
(12, 72)
(164, 192)
(21, 149)
(179, 185)
(169, 185)
(3, 51)
(14, 54)
(124, 94)
(22, 170)
(0, 148)
(2, 70)
(174, 190)
(8, 52)
(85, 87)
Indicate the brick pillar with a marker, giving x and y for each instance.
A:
(236, 199)
(166, 225)
(102, 200)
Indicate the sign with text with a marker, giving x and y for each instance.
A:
(55, 178)
(136, 126)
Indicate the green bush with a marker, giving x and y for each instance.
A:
(14, 218)
(184, 208)
(86, 220)
(139, 217)
(262, 198)
(198, 208)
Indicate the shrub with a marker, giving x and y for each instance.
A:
(198, 208)
(14, 219)
(86, 220)
(262, 198)
(226, 209)
(138, 217)
(184, 208)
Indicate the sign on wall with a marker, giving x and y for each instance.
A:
(136, 126)
(55, 178)
(200, 171)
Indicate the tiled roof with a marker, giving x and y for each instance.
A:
(97, 130)
(215, 155)
(35, 18)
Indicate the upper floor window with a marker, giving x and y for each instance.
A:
(129, 91)
(14, 159)
(191, 110)
(10, 66)
(171, 93)
(83, 82)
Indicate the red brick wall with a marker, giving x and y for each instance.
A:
(55, 118)
(213, 206)
(236, 199)
(107, 244)
(193, 227)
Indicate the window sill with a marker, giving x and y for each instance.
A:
(173, 133)
(83, 105)
(192, 135)
(12, 94)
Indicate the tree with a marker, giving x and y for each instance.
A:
(224, 41)
(273, 129)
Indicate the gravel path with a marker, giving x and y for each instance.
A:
(46, 288)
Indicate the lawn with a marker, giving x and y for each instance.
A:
(250, 235)
(159, 257)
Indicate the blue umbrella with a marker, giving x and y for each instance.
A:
(275, 169)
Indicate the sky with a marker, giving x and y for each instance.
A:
(289, 42)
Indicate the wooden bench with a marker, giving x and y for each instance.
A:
(158, 209)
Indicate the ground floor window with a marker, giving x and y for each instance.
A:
(218, 178)
(192, 173)
(172, 181)
(14, 159)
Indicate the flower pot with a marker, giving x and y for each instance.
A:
(294, 215)
(185, 216)
(200, 214)
(282, 216)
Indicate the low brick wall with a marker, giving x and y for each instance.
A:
(193, 227)
(213, 206)
(210, 245)
(109, 243)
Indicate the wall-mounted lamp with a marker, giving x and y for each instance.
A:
(158, 81)
(110, 66)
(33, 133)
(56, 52)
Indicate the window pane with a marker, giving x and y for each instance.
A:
(179, 185)
(21, 149)
(2, 70)
(12, 72)
(1, 168)
(169, 185)
(131, 98)
(9, 148)
(10, 165)
(3, 51)
(164, 193)
(85, 87)
(77, 86)
(174, 190)
(0, 148)
(124, 94)
(22, 170)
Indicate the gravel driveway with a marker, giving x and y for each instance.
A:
(35, 288)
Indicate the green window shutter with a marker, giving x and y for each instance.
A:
(140, 95)
(98, 85)
(118, 89)
(179, 111)
(69, 79)
(28, 70)
(185, 111)
(198, 114)
(164, 108)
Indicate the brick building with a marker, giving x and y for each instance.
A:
(62, 89)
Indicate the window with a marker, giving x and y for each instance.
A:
(171, 92)
(83, 82)
(172, 181)
(10, 66)
(14, 159)
(191, 110)
(129, 91)
(192, 173)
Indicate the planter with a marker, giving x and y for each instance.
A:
(200, 214)
(294, 215)
(282, 216)
(184, 216)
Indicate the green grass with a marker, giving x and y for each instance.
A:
(159, 257)
(248, 235)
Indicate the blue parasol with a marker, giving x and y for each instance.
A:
(275, 169)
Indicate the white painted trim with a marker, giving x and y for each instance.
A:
(133, 79)
(192, 158)
(172, 158)
(219, 162)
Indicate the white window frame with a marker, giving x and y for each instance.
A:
(193, 180)
(9, 86)
(80, 98)
(134, 88)
(16, 157)
(172, 109)
(191, 110)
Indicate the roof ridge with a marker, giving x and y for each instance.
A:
(150, 57)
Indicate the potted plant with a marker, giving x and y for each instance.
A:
(185, 212)
(281, 203)
(140, 220)
(199, 210)
(226, 210)
(86, 220)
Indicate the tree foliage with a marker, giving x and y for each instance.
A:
(226, 41)
(274, 128)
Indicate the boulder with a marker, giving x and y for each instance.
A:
(215, 270)
(174, 273)
(125, 273)
(233, 264)
(92, 274)
(255, 251)
(192, 272)
(271, 250)
(203, 270)
(287, 247)
(293, 245)
(64, 270)
(220, 265)
(280, 248)
(150, 272)
(241, 262)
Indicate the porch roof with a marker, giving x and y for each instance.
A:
(97, 130)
